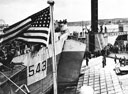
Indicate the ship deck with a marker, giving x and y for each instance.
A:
(10, 73)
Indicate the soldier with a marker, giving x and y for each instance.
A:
(101, 29)
(87, 60)
(103, 52)
(127, 47)
(105, 29)
(115, 59)
(87, 54)
(104, 61)
(120, 61)
(124, 61)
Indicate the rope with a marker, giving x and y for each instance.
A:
(99, 41)
(13, 82)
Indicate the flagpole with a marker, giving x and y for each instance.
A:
(51, 3)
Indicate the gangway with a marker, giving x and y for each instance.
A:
(101, 39)
(116, 33)
(111, 33)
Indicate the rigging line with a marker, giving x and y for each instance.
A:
(7, 67)
(13, 82)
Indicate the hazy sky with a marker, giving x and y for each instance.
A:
(73, 10)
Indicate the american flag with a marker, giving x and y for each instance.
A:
(35, 28)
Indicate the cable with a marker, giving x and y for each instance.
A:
(13, 82)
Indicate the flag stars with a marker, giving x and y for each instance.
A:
(48, 21)
(43, 25)
(42, 19)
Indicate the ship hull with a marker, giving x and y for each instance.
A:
(42, 86)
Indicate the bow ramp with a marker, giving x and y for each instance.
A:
(70, 62)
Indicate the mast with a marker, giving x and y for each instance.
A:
(51, 3)
(94, 24)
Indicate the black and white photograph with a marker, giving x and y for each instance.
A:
(63, 47)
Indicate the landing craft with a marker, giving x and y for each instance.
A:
(27, 67)
(32, 67)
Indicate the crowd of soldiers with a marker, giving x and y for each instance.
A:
(105, 52)
(117, 48)
(88, 55)
(13, 49)
(120, 48)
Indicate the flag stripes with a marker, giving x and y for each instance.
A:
(17, 25)
(32, 40)
(39, 30)
(14, 35)
(35, 28)
(13, 31)
(36, 35)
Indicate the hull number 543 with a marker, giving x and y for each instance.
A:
(34, 69)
